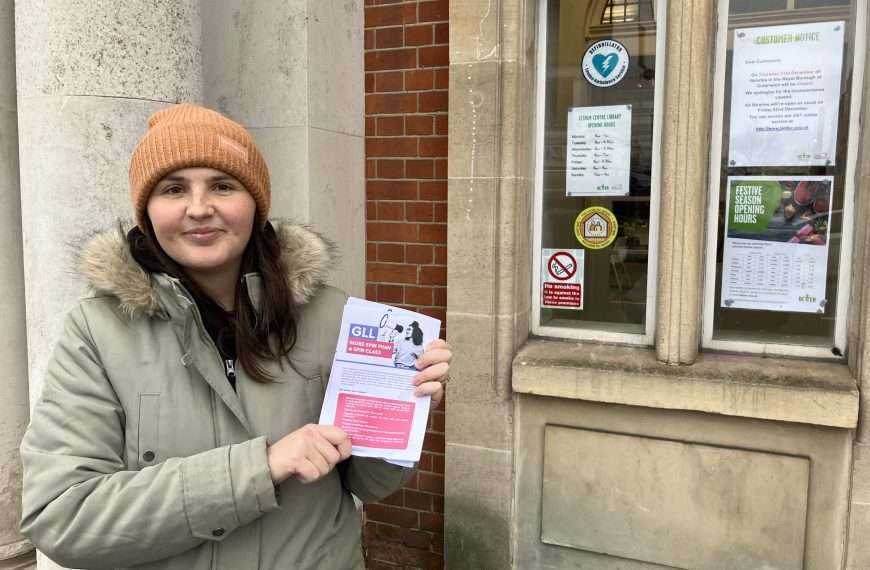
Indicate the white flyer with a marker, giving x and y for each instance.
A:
(370, 393)
(785, 94)
(599, 151)
(777, 234)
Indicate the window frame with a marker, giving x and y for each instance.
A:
(847, 238)
(646, 338)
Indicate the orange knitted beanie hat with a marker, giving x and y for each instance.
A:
(185, 136)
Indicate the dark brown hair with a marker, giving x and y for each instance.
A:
(263, 333)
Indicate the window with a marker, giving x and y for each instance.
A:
(782, 167)
(596, 198)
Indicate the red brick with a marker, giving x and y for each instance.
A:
(372, 294)
(438, 465)
(412, 482)
(442, 33)
(391, 252)
(419, 79)
(391, 126)
(421, 254)
(405, 58)
(397, 499)
(440, 300)
(404, 557)
(433, 146)
(392, 211)
(433, 275)
(439, 212)
(391, 169)
(432, 101)
(418, 296)
(433, 11)
(371, 168)
(419, 168)
(418, 35)
(378, 17)
(436, 190)
(391, 190)
(389, 147)
(390, 294)
(369, 39)
(438, 417)
(389, 532)
(388, 231)
(438, 502)
(433, 442)
(389, 37)
(432, 233)
(435, 56)
(418, 212)
(441, 170)
(417, 539)
(390, 273)
(425, 464)
(370, 83)
(391, 103)
(442, 78)
(419, 124)
(371, 210)
(370, 126)
(441, 124)
(432, 521)
(389, 81)
(439, 313)
(390, 514)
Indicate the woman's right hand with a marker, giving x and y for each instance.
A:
(308, 453)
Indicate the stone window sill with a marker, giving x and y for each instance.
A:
(810, 392)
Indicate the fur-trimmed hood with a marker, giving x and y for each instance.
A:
(107, 264)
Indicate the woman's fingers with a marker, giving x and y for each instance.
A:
(433, 356)
(434, 373)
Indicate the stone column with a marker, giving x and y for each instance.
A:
(488, 295)
(685, 162)
(15, 551)
(89, 73)
(292, 73)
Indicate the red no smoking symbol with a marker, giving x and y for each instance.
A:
(562, 266)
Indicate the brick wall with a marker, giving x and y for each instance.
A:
(406, 64)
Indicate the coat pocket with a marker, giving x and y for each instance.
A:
(149, 430)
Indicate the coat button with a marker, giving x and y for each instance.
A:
(218, 532)
(148, 455)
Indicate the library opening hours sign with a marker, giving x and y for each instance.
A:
(562, 278)
(599, 151)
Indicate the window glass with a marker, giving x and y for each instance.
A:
(782, 174)
(597, 164)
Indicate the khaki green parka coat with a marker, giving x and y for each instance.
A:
(141, 454)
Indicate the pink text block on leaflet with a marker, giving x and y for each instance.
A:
(375, 422)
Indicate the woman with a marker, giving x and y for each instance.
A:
(177, 425)
(410, 347)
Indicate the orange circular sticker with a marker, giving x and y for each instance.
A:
(595, 227)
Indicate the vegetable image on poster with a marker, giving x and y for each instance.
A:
(777, 232)
(599, 151)
(595, 227)
(785, 94)
(562, 278)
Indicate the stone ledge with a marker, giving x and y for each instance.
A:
(810, 392)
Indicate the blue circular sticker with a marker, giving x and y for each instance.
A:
(605, 63)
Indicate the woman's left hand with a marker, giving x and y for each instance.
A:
(434, 367)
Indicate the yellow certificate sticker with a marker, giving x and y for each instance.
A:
(595, 227)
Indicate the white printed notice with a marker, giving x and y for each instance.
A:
(370, 393)
(776, 243)
(785, 95)
(599, 151)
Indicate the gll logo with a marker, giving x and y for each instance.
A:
(605, 63)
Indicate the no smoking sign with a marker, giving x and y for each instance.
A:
(562, 278)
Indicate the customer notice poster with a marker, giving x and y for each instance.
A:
(785, 95)
(599, 151)
(777, 232)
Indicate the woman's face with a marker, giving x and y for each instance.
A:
(203, 219)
